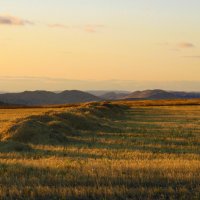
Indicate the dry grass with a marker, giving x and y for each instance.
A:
(145, 153)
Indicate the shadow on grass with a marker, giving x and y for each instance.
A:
(34, 153)
(96, 131)
(28, 182)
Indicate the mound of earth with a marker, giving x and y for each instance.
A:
(59, 127)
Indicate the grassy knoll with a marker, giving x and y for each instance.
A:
(101, 151)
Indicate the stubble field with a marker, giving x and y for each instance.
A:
(101, 151)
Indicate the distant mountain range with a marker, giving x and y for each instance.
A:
(33, 98)
(114, 95)
(147, 94)
(110, 95)
(16, 84)
(100, 93)
(161, 94)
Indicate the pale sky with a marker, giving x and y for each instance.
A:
(157, 40)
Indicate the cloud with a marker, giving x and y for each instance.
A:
(185, 45)
(177, 47)
(12, 20)
(57, 26)
(91, 28)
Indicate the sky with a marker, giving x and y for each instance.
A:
(140, 40)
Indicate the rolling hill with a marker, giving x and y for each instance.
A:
(2, 104)
(33, 98)
(161, 94)
(187, 95)
(100, 93)
(38, 98)
(113, 95)
(151, 94)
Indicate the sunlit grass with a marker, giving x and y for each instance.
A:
(154, 154)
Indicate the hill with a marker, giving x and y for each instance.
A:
(101, 93)
(161, 94)
(33, 98)
(53, 127)
(151, 94)
(75, 96)
(187, 95)
(113, 95)
(2, 104)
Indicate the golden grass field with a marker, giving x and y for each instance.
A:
(101, 151)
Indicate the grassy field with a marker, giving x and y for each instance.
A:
(101, 151)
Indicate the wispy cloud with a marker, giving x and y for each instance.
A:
(185, 45)
(12, 20)
(90, 28)
(93, 28)
(178, 47)
(16, 21)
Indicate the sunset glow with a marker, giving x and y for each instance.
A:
(101, 40)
